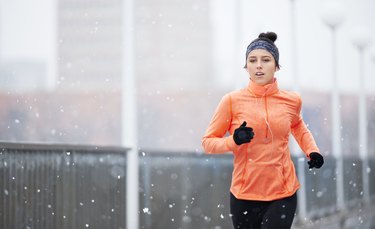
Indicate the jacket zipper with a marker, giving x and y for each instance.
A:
(266, 110)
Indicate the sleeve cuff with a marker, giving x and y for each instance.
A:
(229, 141)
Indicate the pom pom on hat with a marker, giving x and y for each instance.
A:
(269, 35)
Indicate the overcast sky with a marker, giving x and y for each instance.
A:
(27, 30)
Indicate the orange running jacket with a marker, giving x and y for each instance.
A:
(263, 169)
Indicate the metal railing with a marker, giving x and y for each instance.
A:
(85, 187)
(192, 190)
(62, 187)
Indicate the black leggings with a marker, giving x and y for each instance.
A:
(249, 214)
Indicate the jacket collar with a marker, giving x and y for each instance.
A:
(264, 90)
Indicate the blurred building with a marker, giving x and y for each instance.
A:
(89, 45)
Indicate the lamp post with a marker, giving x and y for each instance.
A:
(293, 40)
(333, 15)
(52, 59)
(129, 117)
(361, 40)
(302, 201)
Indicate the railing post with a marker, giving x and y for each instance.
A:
(366, 181)
(340, 184)
(302, 203)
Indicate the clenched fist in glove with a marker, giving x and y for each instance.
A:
(316, 160)
(243, 134)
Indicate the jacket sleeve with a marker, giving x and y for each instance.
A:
(214, 140)
(302, 134)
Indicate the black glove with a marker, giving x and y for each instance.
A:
(316, 160)
(243, 134)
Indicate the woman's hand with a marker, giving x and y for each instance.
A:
(316, 160)
(243, 134)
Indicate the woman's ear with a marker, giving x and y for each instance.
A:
(277, 69)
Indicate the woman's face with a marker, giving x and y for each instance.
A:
(261, 66)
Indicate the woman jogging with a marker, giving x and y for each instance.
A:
(259, 119)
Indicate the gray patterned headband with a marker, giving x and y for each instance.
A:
(266, 44)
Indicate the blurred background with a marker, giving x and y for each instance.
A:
(64, 65)
(61, 66)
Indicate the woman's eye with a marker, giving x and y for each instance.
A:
(266, 60)
(252, 61)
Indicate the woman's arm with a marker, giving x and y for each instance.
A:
(302, 134)
(214, 139)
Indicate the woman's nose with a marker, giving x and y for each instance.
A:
(259, 65)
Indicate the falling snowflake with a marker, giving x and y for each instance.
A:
(146, 211)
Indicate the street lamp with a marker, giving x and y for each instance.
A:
(333, 16)
(361, 39)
